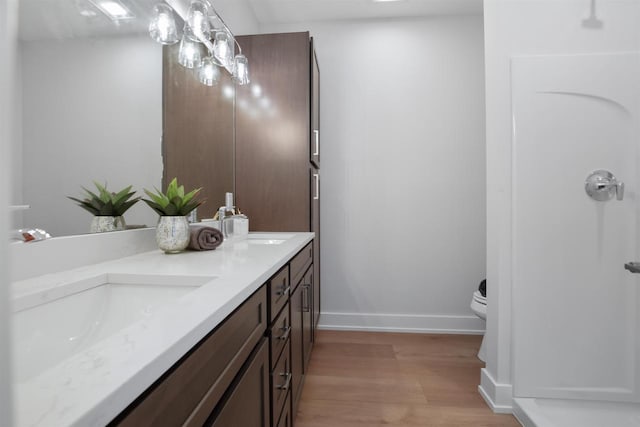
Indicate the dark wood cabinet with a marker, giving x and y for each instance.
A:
(285, 418)
(301, 333)
(297, 357)
(307, 317)
(249, 371)
(191, 390)
(278, 140)
(272, 137)
(248, 403)
(315, 226)
(315, 109)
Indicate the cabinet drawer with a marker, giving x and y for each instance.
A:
(280, 332)
(285, 417)
(189, 392)
(280, 384)
(279, 290)
(299, 264)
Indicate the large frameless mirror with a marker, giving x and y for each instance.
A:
(88, 103)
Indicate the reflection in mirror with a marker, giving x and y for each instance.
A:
(89, 98)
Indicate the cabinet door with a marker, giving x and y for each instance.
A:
(315, 227)
(248, 404)
(307, 317)
(296, 345)
(272, 133)
(315, 108)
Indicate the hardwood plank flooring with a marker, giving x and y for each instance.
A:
(359, 379)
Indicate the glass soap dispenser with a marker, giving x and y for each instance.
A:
(232, 224)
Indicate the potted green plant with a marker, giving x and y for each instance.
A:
(172, 231)
(107, 207)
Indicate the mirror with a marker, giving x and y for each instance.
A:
(89, 96)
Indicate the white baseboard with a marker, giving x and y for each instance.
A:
(498, 396)
(402, 323)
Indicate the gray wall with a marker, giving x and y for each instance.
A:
(403, 171)
(92, 110)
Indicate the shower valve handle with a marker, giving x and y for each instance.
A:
(602, 185)
(633, 267)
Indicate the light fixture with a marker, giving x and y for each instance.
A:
(241, 70)
(190, 53)
(114, 9)
(203, 29)
(196, 26)
(162, 27)
(209, 73)
(223, 49)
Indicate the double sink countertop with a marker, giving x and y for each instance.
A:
(88, 341)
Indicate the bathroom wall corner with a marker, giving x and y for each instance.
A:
(498, 396)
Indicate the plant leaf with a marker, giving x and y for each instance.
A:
(190, 195)
(153, 205)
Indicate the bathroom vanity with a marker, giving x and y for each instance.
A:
(216, 338)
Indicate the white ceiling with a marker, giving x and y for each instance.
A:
(61, 19)
(282, 11)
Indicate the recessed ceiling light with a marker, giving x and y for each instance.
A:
(113, 9)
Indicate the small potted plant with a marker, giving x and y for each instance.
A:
(172, 231)
(107, 208)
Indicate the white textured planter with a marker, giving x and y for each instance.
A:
(172, 233)
(101, 224)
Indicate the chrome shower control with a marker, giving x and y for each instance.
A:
(633, 267)
(602, 185)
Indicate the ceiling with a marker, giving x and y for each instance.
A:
(62, 19)
(283, 11)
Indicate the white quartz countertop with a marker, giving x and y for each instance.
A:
(92, 387)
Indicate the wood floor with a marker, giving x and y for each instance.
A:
(387, 379)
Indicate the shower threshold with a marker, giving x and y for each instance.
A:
(533, 412)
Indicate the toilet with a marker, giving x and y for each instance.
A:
(479, 307)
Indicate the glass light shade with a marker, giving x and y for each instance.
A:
(162, 27)
(223, 49)
(241, 70)
(209, 73)
(190, 53)
(197, 27)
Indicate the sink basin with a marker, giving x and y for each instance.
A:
(268, 238)
(54, 324)
(266, 241)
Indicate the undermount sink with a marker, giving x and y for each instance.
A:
(268, 238)
(52, 325)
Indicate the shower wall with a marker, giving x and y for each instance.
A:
(516, 28)
(575, 328)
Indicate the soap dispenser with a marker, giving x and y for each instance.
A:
(232, 224)
(225, 216)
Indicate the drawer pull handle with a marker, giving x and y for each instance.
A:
(284, 291)
(287, 383)
(285, 336)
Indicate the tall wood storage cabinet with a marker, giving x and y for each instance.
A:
(276, 166)
(277, 159)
